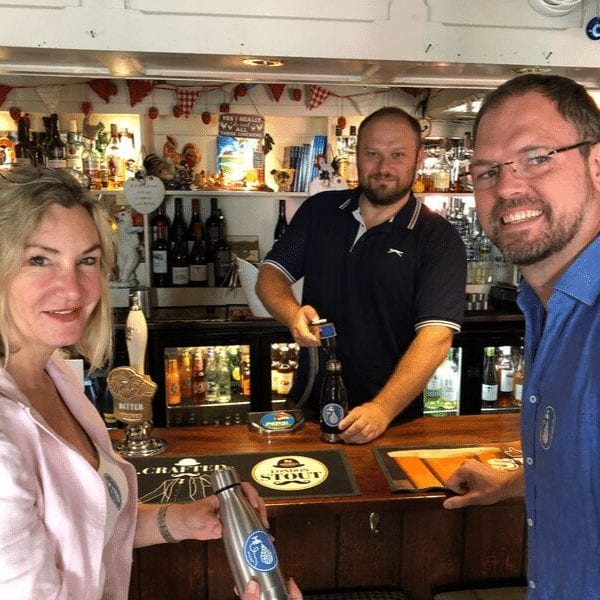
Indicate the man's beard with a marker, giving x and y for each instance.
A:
(384, 197)
(520, 248)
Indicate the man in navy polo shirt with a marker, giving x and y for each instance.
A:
(536, 175)
(388, 272)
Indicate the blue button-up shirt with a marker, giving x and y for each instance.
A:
(560, 425)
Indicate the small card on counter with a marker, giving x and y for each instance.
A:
(419, 469)
(293, 474)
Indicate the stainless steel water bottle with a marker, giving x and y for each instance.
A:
(249, 548)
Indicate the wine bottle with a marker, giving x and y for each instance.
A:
(56, 149)
(222, 255)
(180, 269)
(249, 548)
(23, 149)
(160, 258)
(160, 217)
(489, 382)
(198, 264)
(282, 223)
(178, 227)
(333, 402)
(194, 230)
(212, 229)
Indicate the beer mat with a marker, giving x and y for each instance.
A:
(294, 474)
(418, 468)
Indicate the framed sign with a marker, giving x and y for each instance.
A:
(245, 126)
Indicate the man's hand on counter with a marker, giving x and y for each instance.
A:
(364, 423)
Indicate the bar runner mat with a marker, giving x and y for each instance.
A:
(418, 468)
(295, 474)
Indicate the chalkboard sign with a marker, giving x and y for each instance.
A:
(248, 126)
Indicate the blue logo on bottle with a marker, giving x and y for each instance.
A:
(332, 414)
(259, 551)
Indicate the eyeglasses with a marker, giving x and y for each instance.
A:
(529, 164)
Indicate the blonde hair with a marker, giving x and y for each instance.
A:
(26, 193)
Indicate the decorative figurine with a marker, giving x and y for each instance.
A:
(127, 242)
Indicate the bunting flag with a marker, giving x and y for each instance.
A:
(4, 91)
(276, 90)
(105, 88)
(363, 103)
(186, 100)
(318, 95)
(138, 89)
(50, 95)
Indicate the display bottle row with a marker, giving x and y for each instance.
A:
(502, 378)
(106, 161)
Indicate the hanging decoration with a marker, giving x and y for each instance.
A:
(153, 113)
(206, 117)
(296, 94)
(318, 95)
(105, 88)
(363, 103)
(4, 91)
(138, 89)
(224, 107)
(50, 95)
(276, 90)
(15, 113)
(178, 111)
(239, 91)
(186, 100)
(87, 108)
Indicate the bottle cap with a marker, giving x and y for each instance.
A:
(224, 478)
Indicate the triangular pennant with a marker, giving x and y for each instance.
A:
(50, 95)
(4, 91)
(318, 95)
(186, 100)
(139, 89)
(105, 88)
(276, 90)
(363, 103)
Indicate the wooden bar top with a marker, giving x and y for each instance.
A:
(374, 489)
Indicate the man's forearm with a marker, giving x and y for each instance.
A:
(275, 292)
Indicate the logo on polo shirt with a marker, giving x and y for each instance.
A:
(547, 426)
(395, 251)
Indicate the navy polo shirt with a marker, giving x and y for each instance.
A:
(377, 289)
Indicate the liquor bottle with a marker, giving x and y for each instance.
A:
(185, 376)
(90, 164)
(222, 254)
(489, 381)
(194, 230)
(212, 229)
(223, 377)
(180, 269)
(114, 161)
(245, 375)
(211, 376)
(198, 264)
(235, 372)
(160, 217)
(160, 258)
(505, 370)
(198, 380)
(441, 170)
(23, 147)
(333, 404)
(517, 396)
(282, 223)
(38, 144)
(74, 150)
(178, 227)
(56, 150)
(285, 378)
(249, 548)
(173, 386)
(450, 379)
(432, 394)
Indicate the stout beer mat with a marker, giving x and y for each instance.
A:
(415, 469)
(294, 474)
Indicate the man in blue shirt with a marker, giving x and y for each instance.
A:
(388, 272)
(536, 176)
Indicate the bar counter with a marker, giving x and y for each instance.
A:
(377, 539)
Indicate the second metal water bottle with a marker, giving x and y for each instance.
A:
(250, 551)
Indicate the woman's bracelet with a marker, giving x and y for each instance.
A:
(162, 524)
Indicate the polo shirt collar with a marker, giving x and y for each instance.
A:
(406, 217)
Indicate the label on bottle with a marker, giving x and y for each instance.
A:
(56, 163)
(23, 161)
(285, 379)
(518, 392)
(332, 414)
(489, 393)
(198, 273)
(506, 380)
(159, 261)
(259, 551)
(180, 275)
